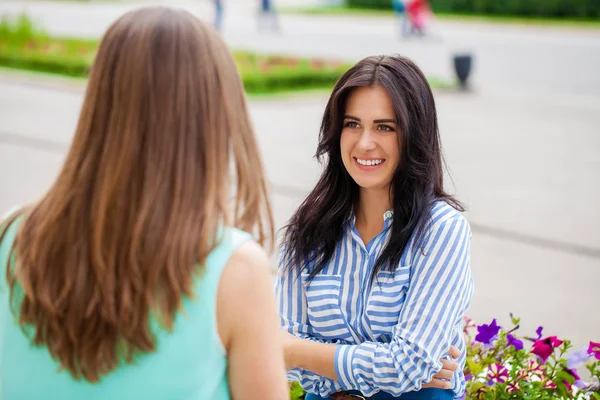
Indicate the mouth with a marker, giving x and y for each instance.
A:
(368, 164)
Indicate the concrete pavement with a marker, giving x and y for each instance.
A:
(523, 148)
(507, 57)
(556, 287)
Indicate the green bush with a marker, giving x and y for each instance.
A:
(24, 46)
(588, 9)
(372, 4)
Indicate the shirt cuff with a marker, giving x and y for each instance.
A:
(344, 354)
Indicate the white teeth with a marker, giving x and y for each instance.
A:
(369, 162)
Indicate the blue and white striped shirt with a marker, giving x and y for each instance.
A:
(393, 332)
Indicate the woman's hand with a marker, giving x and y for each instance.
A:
(443, 379)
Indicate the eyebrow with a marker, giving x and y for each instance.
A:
(377, 121)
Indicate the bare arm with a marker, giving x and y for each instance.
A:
(249, 328)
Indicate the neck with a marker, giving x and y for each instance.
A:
(372, 204)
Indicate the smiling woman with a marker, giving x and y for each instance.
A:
(375, 276)
(369, 140)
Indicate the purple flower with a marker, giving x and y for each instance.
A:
(539, 332)
(487, 333)
(577, 358)
(580, 384)
(468, 377)
(593, 385)
(513, 341)
(575, 375)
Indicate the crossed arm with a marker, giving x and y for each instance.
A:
(439, 293)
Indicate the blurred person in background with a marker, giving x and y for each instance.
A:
(399, 8)
(219, 11)
(418, 14)
(133, 277)
(375, 276)
(267, 17)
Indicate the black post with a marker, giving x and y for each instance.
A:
(462, 68)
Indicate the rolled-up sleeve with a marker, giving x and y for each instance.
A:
(439, 294)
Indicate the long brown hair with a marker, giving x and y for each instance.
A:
(146, 185)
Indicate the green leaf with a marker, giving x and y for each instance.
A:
(474, 367)
(296, 392)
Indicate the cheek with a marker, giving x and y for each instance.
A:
(345, 145)
(392, 149)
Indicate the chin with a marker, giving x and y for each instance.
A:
(364, 184)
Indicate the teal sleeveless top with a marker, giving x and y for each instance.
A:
(188, 364)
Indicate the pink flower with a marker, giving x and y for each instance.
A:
(497, 373)
(594, 349)
(513, 387)
(535, 368)
(575, 376)
(469, 324)
(532, 369)
(549, 385)
(545, 347)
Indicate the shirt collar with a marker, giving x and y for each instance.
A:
(388, 216)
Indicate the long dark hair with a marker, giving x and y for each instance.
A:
(314, 230)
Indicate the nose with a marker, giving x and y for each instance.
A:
(367, 142)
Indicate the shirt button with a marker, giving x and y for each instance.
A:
(388, 214)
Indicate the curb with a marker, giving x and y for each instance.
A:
(42, 80)
(75, 85)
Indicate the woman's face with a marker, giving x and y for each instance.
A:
(369, 141)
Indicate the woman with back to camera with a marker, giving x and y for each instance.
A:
(132, 276)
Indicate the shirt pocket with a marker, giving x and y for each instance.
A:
(323, 307)
(386, 300)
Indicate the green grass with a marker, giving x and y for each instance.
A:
(260, 74)
(25, 47)
(499, 19)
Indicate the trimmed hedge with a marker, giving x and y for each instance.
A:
(280, 79)
(24, 46)
(585, 9)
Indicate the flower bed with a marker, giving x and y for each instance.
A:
(24, 46)
(501, 367)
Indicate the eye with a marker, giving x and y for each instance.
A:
(351, 124)
(385, 128)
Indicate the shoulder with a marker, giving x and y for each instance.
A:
(446, 238)
(444, 222)
(245, 282)
(247, 265)
(8, 226)
(249, 255)
(443, 214)
(11, 211)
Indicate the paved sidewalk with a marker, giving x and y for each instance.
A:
(534, 241)
(523, 148)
